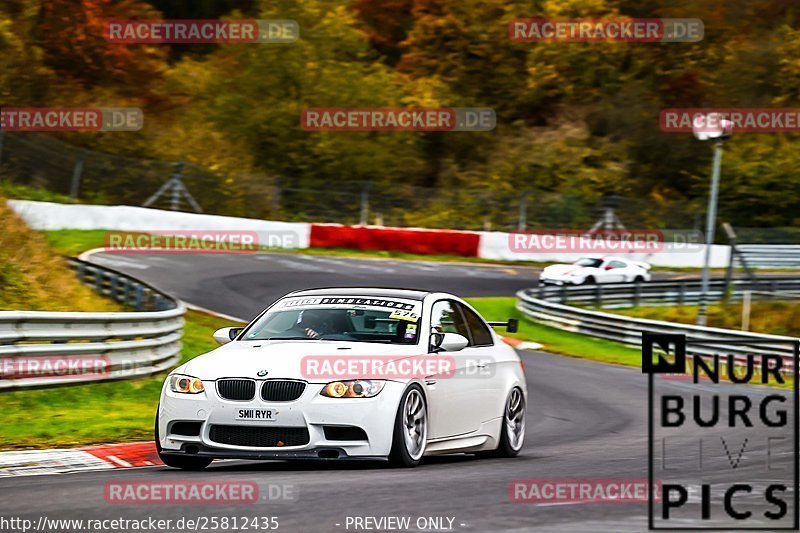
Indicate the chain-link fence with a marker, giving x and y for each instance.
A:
(93, 177)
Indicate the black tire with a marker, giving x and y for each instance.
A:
(638, 279)
(589, 281)
(184, 462)
(400, 455)
(504, 446)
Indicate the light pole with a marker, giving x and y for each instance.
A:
(710, 127)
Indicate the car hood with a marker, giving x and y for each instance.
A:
(281, 359)
(563, 270)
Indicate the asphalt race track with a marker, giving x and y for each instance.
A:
(242, 285)
(585, 421)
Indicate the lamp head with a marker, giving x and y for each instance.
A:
(712, 126)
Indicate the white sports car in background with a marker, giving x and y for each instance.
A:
(348, 373)
(591, 270)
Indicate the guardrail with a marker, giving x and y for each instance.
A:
(617, 295)
(548, 305)
(770, 255)
(121, 287)
(120, 345)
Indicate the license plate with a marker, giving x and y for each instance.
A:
(256, 415)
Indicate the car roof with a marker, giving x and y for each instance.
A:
(380, 292)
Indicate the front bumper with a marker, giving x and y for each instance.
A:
(325, 453)
(313, 412)
(559, 280)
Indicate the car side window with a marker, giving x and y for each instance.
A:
(446, 319)
(617, 264)
(480, 334)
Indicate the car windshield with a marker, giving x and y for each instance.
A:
(589, 262)
(340, 319)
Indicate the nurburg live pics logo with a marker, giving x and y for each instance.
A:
(722, 443)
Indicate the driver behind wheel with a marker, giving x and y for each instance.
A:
(313, 323)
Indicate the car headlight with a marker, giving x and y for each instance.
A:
(357, 388)
(185, 384)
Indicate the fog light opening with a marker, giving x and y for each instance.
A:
(328, 454)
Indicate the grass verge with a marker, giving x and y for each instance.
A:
(773, 317)
(119, 411)
(556, 340)
(564, 342)
(27, 192)
(35, 279)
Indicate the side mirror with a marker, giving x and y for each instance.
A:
(513, 325)
(452, 342)
(436, 340)
(608, 267)
(226, 335)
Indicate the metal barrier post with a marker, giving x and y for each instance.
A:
(126, 290)
(139, 296)
(275, 201)
(746, 310)
(522, 220)
(75, 186)
(364, 205)
(711, 217)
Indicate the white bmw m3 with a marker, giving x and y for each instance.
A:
(344, 373)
